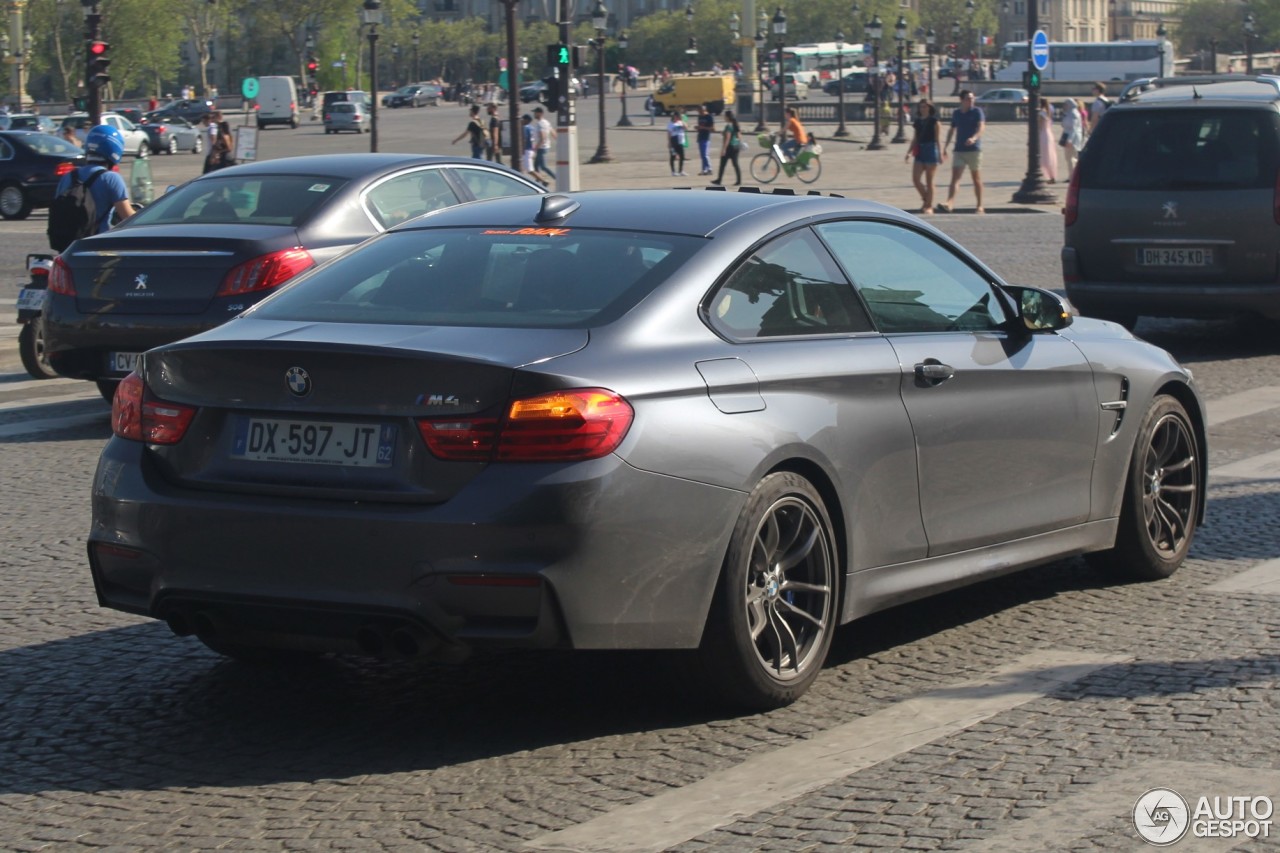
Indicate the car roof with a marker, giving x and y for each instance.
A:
(343, 165)
(696, 212)
(1240, 89)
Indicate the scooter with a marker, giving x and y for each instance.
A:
(30, 314)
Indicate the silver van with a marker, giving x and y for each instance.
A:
(1174, 206)
(277, 101)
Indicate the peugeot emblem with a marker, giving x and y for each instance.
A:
(1170, 209)
(140, 282)
(299, 381)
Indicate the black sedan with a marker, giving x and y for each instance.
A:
(712, 421)
(213, 247)
(172, 134)
(416, 95)
(31, 164)
(189, 108)
(852, 82)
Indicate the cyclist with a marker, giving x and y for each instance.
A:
(797, 136)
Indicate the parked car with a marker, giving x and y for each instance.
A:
(339, 96)
(191, 109)
(533, 91)
(207, 250)
(31, 164)
(1171, 211)
(136, 141)
(1002, 96)
(794, 92)
(853, 82)
(28, 121)
(415, 95)
(173, 135)
(347, 115)
(774, 415)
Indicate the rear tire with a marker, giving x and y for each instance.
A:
(31, 350)
(198, 148)
(1161, 503)
(15, 202)
(775, 610)
(173, 145)
(812, 173)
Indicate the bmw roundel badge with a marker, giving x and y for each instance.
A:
(299, 382)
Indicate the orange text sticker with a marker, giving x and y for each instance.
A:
(530, 232)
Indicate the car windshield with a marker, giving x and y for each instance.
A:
(257, 200)
(43, 143)
(493, 277)
(1159, 149)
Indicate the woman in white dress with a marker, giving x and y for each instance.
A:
(1072, 133)
(1048, 144)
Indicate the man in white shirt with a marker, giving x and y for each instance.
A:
(544, 133)
(1099, 105)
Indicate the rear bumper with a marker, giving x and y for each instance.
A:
(591, 555)
(1107, 298)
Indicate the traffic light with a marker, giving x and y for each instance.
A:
(1031, 80)
(80, 102)
(312, 65)
(99, 62)
(559, 55)
(551, 95)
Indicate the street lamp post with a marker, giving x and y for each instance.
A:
(626, 79)
(692, 50)
(417, 73)
(841, 130)
(955, 50)
(931, 48)
(873, 30)
(600, 22)
(970, 10)
(761, 41)
(395, 62)
(1250, 25)
(780, 32)
(371, 14)
(1111, 8)
(1033, 189)
(1160, 34)
(1213, 56)
(900, 36)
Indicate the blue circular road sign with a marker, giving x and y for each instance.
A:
(1040, 50)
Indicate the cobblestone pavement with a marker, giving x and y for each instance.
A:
(115, 735)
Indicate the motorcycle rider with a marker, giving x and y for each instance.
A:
(103, 148)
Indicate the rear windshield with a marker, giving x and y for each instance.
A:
(560, 277)
(259, 200)
(1183, 149)
(43, 143)
(343, 108)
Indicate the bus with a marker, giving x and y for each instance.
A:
(1089, 61)
(813, 63)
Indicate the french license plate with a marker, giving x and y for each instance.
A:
(122, 362)
(1175, 257)
(32, 298)
(315, 442)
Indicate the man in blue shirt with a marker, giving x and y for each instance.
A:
(967, 125)
(103, 149)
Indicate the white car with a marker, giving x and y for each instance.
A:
(136, 141)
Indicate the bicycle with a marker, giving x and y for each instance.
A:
(807, 165)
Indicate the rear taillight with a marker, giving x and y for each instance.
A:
(138, 416)
(160, 128)
(60, 280)
(265, 272)
(1072, 209)
(562, 426)
(326, 117)
(63, 168)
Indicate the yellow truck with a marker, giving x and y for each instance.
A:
(687, 93)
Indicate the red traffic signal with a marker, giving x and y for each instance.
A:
(312, 65)
(99, 62)
(98, 48)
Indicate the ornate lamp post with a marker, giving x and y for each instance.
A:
(841, 130)
(780, 35)
(692, 50)
(900, 36)
(970, 10)
(761, 41)
(371, 15)
(1111, 9)
(873, 31)
(600, 22)
(417, 73)
(626, 78)
(1250, 25)
(931, 48)
(1160, 34)
(955, 50)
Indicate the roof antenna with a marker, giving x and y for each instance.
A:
(1195, 93)
(556, 207)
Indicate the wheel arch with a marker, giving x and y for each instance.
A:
(1183, 393)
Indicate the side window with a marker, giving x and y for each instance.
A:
(485, 184)
(788, 287)
(405, 196)
(910, 282)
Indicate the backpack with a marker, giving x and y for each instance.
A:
(73, 214)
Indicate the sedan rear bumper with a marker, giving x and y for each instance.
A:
(590, 555)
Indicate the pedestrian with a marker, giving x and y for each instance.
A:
(529, 144)
(68, 133)
(729, 147)
(797, 136)
(221, 152)
(494, 139)
(474, 131)
(967, 126)
(103, 150)
(545, 133)
(1072, 138)
(1048, 146)
(152, 103)
(651, 107)
(706, 127)
(214, 118)
(676, 142)
(925, 150)
(1099, 106)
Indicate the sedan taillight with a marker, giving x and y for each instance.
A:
(136, 414)
(63, 168)
(557, 427)
(265, 272)
(60, 279)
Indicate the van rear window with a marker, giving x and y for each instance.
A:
(1183, 150)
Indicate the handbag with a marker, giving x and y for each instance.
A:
(1064, 138)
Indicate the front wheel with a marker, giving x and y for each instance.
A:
(173, 145)
(31, 350)
(764, 168)
(144, 150)
(1161, 504)
(811, 172)
(15, 203)
(774, 611)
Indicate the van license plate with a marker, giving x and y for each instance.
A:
(1175, 257)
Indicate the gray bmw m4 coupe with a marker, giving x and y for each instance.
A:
(726, 422)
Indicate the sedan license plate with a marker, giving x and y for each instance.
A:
(123, 362)
(1175, 257)
(315, 442)
(32, 298)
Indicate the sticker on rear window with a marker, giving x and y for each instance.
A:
(318, 188)
(530, 232)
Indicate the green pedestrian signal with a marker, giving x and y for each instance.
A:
(1031, 80)
(559, 55)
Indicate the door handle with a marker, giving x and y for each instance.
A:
(933, 372)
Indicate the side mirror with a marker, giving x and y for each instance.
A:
(1041, 310)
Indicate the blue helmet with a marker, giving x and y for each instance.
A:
(104, 142)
